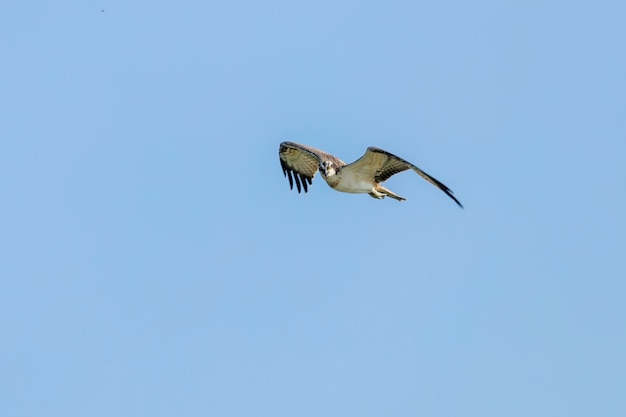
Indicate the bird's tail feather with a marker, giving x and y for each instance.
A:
(389, 193)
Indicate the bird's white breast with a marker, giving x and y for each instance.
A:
(351, 184)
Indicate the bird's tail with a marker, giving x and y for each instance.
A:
(389, 193)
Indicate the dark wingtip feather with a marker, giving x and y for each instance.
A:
(449, 193)
(455, 200)
(304, 185)
(443, 188)
(297, 178)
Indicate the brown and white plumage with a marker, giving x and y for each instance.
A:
(300, 163)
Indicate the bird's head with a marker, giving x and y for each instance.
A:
(328, 169)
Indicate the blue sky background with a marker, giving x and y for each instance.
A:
(155, 262)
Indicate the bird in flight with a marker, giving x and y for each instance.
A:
(300, 163)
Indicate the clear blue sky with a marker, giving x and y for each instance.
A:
(155, 263)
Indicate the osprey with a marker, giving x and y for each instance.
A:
(365, 175)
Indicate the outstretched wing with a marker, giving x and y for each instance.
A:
(381, 165)
(300, 163)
